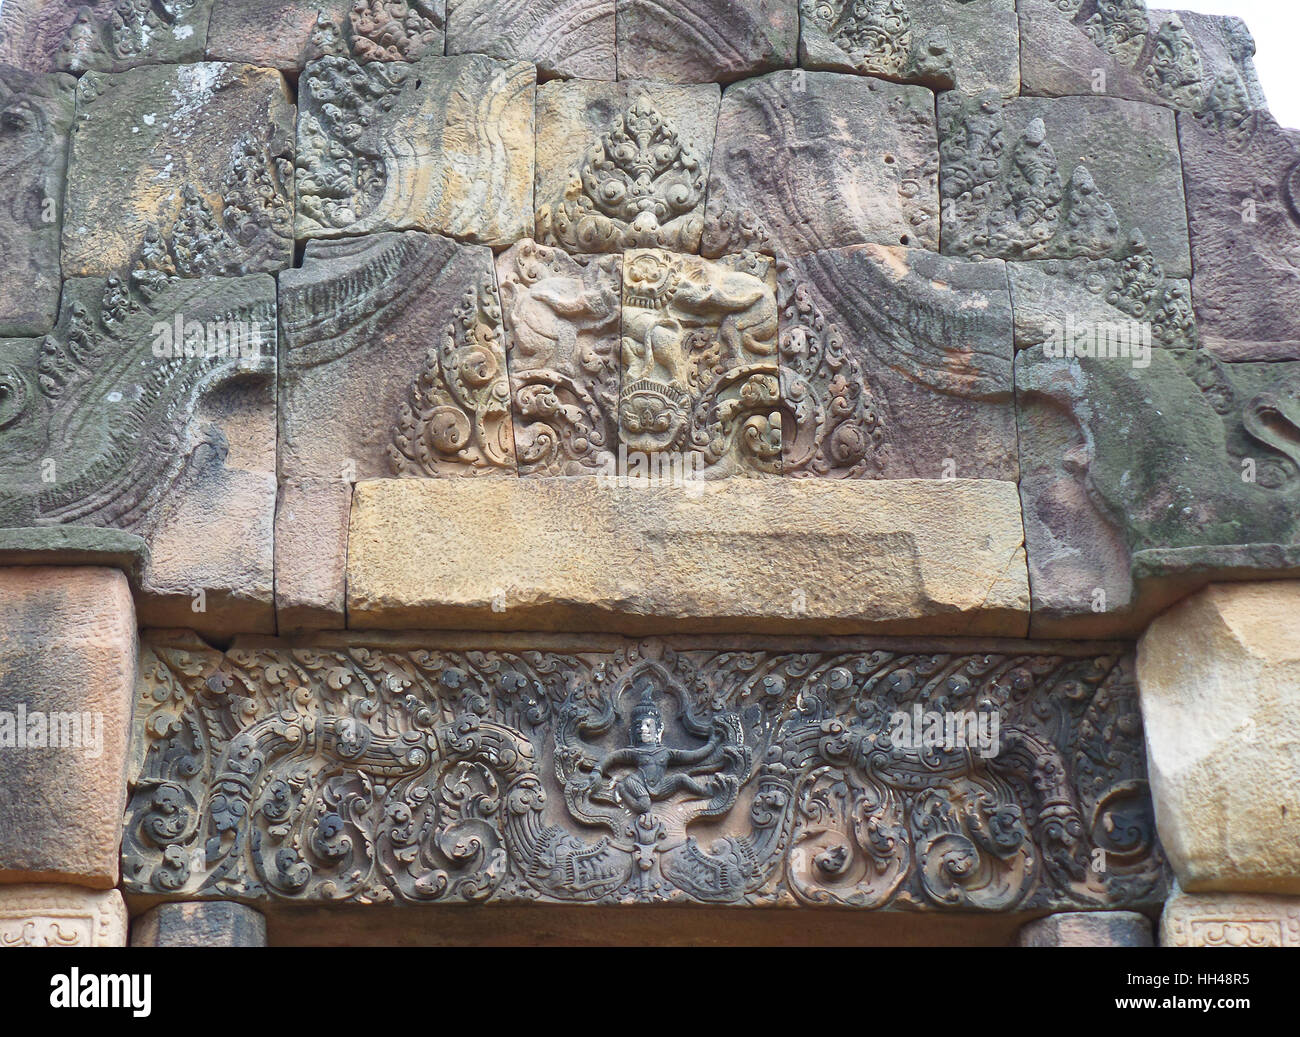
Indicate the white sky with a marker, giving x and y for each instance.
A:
(1276, 25)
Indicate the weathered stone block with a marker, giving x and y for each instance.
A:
(37, 118)
(1118, 48)
(1243, 197)
(220, 923)
(1060, 178)
(311, 550)
(1089, 929)
(917, 347)
(705, 41)
(790, 172)
(61, 916)
(572, 38)
(623, 165)
(151, 409)
(562, 320)
(1229, 920)
(1220, 684)
(444, 144)
(286, 34)
(105, 35)
(974, 44)
(186, 167)
(1149, 467)
(67, 675)
(602, 771)
(701, 391)
(899, 557)
(393, 362)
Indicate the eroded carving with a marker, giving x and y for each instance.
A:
(642, 773)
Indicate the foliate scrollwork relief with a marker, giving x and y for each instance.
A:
(456, 420)
(640, 186)
(128, 33)
(641, 773)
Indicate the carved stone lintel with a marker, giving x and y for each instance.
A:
(640, 773)
(61, 916)
(1230, 920)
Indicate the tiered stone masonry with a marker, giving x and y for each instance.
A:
(847, 320)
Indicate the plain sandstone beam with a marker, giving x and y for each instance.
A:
(757, 555)
(67, 676)
(1089, 929)
(1219, 679)
(221, 923)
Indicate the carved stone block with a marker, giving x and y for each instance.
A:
(1229, 920)
(647, 556)
(444, 144)
(623, 165)
(974, 44)
(286, 34)
(562, 319)
(1192, 62)
(705, 41)
(701, 385)
(1220, 682)
(151, 408)
(1243, 195)
(703, 771)
(1089, 929)
(311, 550)
(105, 35)
(187, 168)
(35, 120)
(1148, 466)
(571, 38)
(916, 347)
(393, 362)
(790, 172)
(220, 923)
(67, 667)
(1060, 178)
(61, 916)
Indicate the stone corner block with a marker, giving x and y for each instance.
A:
(1219, 679)
(220, 923)
(61, 916)
(743, 555)
(1089, 929)
(1229, 920)
(67, 677)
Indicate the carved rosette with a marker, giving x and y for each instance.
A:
(639, 774)
(640, 186)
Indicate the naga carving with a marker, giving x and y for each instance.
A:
(640, 186)
(638, 774)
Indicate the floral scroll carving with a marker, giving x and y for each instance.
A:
(641, 773)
